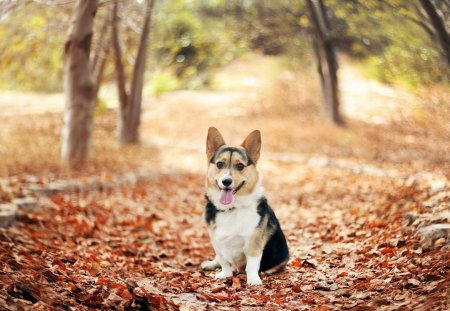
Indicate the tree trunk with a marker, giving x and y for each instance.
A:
(439, 27)
(78, 86)
(120, 71)
(101, 52)
(326, 61)
(130, 104)
(99, 70)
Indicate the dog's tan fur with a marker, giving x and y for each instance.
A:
(259, 238)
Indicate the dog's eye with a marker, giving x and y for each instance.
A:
(240, 166)
(219, 165)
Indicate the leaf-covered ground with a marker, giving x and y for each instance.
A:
(138, 245)
(128, 233)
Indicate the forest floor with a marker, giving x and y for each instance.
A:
(358, 204)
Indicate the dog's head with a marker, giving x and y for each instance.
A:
(232, 170)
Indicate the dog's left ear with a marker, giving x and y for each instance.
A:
(253, 145)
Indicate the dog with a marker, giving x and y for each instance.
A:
(244, 231)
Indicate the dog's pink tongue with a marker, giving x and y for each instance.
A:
(226, 196)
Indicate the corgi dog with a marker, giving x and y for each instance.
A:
(244, 231)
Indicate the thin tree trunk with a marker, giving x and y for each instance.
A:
(78, 86)
(131, 133)
(438, 25)
(120, 71)
(101, 51)
(326, 61)
(99, 70)
(130, 104)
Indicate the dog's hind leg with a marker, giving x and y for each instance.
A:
(277, 268)
(210, 265)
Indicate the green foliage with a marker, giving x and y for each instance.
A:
(31, 41)
(162, 83)
(190, 45)
(388, 36)
(266, 26)
(190, 39)
(408, 65)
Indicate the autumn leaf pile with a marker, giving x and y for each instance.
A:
(138, 246)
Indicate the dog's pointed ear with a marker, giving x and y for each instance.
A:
(253, 145)
(213, 141)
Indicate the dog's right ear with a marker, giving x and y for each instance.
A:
(213, 142)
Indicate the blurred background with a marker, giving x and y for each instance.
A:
(104, 111)
(366, 81)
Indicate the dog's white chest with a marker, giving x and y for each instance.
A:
(233, 230)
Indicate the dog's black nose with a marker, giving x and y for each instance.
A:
(227, 182)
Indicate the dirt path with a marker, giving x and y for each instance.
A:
(371, 101)
(237, 84)
(177, 121)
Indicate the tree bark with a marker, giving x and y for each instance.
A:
(99, 70)
(439, 27)
(120, 71)
(101, 52)
(78, 86)
(130, 103)
(327, 65)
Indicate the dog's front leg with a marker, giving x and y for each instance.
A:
(210, 265)
(252, 270)
(227, 270)
(254, 251)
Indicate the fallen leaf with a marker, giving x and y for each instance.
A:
(236, 283)
(211, 297)
(260, 297)
(297, 288)
(413, 282)
(297, 262)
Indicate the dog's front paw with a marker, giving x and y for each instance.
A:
(223, 274)
(210, 265)
(254, 280)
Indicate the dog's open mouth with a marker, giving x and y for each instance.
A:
(227, 194)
